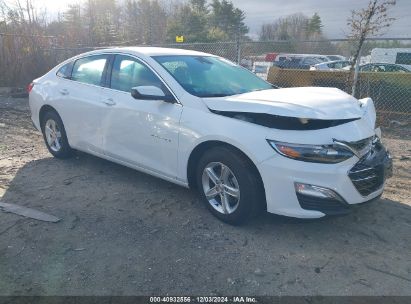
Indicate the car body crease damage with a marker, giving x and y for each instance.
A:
(284, 122)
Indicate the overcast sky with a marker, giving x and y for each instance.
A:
(333, 13)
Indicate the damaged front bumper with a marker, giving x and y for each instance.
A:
(312, 190)
(348, 183)
(369, 174)
(356, 180)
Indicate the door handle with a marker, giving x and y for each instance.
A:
(109, 102)
(64, 92)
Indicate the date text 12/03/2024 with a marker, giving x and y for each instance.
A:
(203, 299)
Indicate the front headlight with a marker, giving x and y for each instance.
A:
(312, 153)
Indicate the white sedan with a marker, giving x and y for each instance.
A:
(199, 120)
(331, 65)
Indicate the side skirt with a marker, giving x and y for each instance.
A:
(138, 168)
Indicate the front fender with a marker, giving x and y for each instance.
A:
(197, 127)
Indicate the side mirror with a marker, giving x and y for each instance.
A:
(150, 93)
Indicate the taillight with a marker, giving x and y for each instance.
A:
(30, 87)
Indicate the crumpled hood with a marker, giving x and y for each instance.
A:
(304, 102)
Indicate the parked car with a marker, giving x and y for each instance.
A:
(289, 57)
(383, 67)
(335, 57)
(303, 63)
(201, 121)
(331, 65)
(261, 68)
(400, 56)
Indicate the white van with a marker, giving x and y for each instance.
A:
(401, 56)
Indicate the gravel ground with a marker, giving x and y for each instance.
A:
(127, 233)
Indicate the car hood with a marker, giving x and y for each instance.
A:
(304, 102)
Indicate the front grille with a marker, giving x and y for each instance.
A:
(325, 205)
(367, 179)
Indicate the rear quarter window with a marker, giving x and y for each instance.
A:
(65, 70)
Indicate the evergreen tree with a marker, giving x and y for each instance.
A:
(190, 21)
(314, 25)
(228, 19)
(197, 23)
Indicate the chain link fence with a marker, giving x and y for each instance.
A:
(385, 69)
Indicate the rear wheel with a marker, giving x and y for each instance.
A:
(55, 136)
(228, 185)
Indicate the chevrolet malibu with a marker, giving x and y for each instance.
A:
(201, 121)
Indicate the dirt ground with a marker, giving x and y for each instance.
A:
(127, 233)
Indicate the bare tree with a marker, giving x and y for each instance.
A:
(3, 10)
(292, 27)
(369, 21)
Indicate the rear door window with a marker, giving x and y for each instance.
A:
(90, 69)
(394, 68)
(310, 61)
(366, 68)
(403, 58)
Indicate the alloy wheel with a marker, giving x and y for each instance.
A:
(221, 187)
(53, 135)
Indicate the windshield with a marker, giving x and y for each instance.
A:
(206, 76)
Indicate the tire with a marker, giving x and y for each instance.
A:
(240, 205)
(52, 128)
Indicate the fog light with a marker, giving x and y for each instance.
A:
(316, 191)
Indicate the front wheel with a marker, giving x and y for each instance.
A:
(228, 185)
(55, 136)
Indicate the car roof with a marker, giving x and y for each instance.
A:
(332, 61)
(150, 51)
(300, 55)
(386, 64)
(381, 63)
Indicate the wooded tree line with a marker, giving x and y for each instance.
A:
(27, 33)
(33, 40)
(105, 22)
(293, 27)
